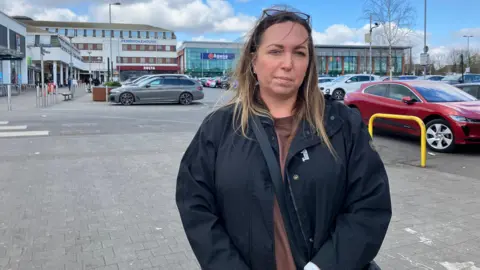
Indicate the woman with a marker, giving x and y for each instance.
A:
(324, 203)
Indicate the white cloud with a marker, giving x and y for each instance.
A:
(194, 16)
(203, 38)
(39, 12)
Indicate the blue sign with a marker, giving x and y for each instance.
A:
(217, 56)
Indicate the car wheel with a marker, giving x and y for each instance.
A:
(186, 99)
(440, 137)
(224, 86)
(338, 94)
(127, 99)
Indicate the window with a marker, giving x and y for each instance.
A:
(377, 90)
(125, 34)
(171, 81)
(442, 93)
(143, 34)
(473, 90)
(134, 34)
(156, 82)
(186, 82)
(398, 92)
(365, 78)
(354, 79)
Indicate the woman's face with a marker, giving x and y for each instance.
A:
(282, 59)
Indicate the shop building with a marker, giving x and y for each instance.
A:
(135, 49)
(208, 59)
(13, 67)
(337, 60)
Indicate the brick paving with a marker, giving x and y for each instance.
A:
(103, 198)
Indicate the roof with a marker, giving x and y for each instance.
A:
(359, 46)
(93, 25)
(31, 29)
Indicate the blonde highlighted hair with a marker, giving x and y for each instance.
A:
(310, 105)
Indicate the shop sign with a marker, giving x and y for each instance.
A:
(139, 41)
(217, 56)
(148, 67)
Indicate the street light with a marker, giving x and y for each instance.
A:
(371, 30)
(110, 16)
(468, 49)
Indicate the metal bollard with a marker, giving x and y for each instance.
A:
(37, 97)
(106, 94)
(9, 97)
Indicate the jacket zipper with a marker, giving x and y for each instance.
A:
(296, 211)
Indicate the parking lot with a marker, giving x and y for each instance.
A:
(98, 192)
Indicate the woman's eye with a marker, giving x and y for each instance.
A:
(274, 52)
(301, 53)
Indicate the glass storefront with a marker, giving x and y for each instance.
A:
(15, 72)
(220, 61)
(338, 60)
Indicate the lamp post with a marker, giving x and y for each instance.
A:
(425, 48)
(468, 49)
(371, 30)
(110, 17)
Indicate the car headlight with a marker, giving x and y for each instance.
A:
(327, 91)
(459, 118)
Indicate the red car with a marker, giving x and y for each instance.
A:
(451, 116)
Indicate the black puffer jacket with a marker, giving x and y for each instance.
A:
(225, 195)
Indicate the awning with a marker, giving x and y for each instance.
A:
(161, 68)
(9, 54)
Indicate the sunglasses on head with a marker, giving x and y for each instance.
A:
(276, 11)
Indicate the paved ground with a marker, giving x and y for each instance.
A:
(97, 192)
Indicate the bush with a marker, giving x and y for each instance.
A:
(113, 84)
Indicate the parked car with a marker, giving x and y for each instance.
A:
(346, 84)
(471, 88)
(160, 89)
(451, 116)
(457, 78)
(431, 77)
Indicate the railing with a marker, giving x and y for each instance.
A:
(423, 137)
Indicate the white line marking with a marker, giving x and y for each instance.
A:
(79, 124)
(459, 266)
(13, 127)
(3, 122)
(24, 133)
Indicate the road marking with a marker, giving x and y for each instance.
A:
(24, 133)
(3, 122)
(13, 127)
(79, 124)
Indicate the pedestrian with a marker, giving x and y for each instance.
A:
(281, 178)
(70, 84)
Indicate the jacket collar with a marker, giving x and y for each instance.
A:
(332, 121)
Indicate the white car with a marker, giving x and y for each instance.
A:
(323, 80)
(342, 85)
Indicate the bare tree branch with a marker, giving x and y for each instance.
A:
(397, 18)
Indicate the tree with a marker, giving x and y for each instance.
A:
(397, 18)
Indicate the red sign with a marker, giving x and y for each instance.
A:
(161, 68)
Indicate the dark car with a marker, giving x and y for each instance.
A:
(451, 116)
(159, 89)
(471, 88)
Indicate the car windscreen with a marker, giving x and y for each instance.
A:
(443, 93)
(341, 78)
(451, 78)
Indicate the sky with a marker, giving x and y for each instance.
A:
(333, 21)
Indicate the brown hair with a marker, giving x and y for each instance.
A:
(310, 104)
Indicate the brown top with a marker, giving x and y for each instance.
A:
(284, 128)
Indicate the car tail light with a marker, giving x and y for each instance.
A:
(199, 88)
